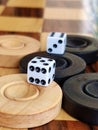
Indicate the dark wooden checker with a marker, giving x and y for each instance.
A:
(36, 18)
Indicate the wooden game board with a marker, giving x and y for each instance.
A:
(36, 18)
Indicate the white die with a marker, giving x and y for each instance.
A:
(41, 71)
(56, 43)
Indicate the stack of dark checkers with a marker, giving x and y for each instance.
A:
(79, 85)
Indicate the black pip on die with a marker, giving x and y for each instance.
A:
(56, 43)
(41, 71)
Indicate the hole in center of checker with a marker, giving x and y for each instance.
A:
(61, 63)
(91, 89)
(14, 44)
(77, 43)
(20, 91)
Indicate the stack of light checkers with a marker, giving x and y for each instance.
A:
(26, 105)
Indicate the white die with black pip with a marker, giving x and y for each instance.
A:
(41, 71)
(56, 43)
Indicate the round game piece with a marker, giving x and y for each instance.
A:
(66, 65)
(14, 47)
(80, 97)
(23, 105)
(83, 46)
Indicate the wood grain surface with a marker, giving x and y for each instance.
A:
(14, 47)
(36, 19)
(23, 105)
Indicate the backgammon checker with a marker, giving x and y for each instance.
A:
(23, 105)
(67, 65)
(14, 47)
(80, 97)
(84, 46)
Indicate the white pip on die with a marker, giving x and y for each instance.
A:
(56, 43)
(41, 71)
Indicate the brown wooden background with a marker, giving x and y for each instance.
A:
(36, 18)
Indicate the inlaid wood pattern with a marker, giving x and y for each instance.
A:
(63, 125)
(36, 18)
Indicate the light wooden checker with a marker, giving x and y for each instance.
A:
(23, 105)
(14, 47)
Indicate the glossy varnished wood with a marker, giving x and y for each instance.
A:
(36, 19)
(63, 125)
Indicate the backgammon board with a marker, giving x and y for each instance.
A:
(36, 18)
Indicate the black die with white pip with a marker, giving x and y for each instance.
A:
(56, 43)
(41, 71)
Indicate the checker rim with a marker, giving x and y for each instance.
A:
(87, 48)
(69, 65)
(78, 98)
